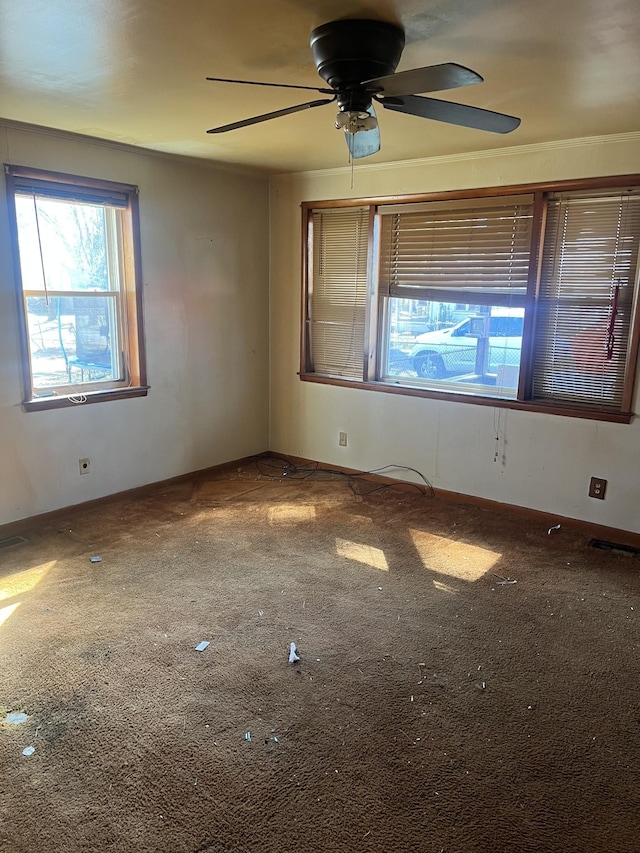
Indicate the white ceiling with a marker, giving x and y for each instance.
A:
(134, 71)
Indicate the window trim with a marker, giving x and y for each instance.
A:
(131, 293)
(539, 190)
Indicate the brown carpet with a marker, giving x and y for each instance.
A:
(434, 708)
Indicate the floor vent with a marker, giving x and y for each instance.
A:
(11, 542)
(626, 550)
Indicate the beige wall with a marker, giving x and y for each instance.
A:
(205, 268)
(546, 461)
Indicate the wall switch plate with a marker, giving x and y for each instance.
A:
(597, 488)
(342, 439)
(84, 466)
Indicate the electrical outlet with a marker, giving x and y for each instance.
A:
(597, 488)
(342, 439)
(84, 465)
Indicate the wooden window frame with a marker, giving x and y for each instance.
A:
(373, 329)
(63, 186)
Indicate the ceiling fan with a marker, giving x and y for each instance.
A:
(357, 59)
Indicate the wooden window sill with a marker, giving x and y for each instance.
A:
(41, 404)
(542, 407)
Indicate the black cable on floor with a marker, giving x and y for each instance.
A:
(276, 467)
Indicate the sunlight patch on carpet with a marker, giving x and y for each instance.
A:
(362, 520)
(5, 612)
(20, 582)
(366, 554)
(444, 587)
(453, 557)
(289, 513)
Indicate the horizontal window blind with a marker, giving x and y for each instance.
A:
(77, 195)
(586, 298)
(475, 251)
(103, 193)
(338, 290)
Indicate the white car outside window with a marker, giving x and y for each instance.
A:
(453, 352)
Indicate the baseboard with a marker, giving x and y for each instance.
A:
(546, 520)
(12, 528)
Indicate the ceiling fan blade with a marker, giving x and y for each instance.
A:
(267, 116)
(433, 78)
(365, 142)
(453, 113)
(277, 85)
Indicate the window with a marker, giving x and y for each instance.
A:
(588, 280)
(339, 290)
(523, 297)
(79, 293)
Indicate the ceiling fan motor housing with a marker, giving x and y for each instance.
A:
(348, 52)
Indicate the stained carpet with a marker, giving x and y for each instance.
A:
(436, 706)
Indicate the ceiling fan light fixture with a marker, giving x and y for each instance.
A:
(354, 121)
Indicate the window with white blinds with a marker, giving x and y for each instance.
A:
(473, 250)
(527, 298)
(586, 298)
(337, 299)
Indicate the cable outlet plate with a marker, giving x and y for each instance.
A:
(84, 465)
(597, 488)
